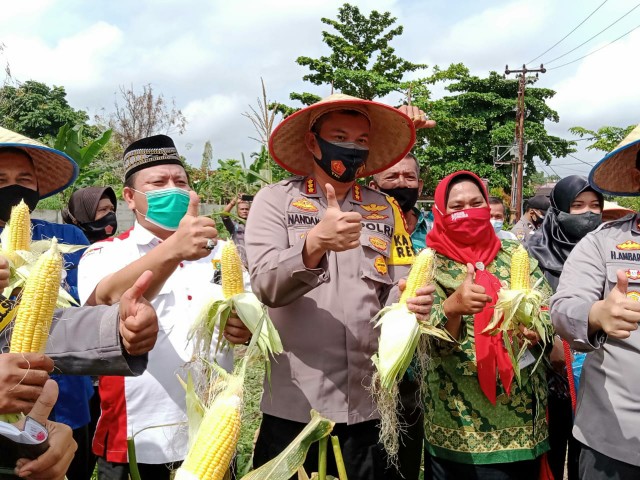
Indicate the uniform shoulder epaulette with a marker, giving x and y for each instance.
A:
(627, 218)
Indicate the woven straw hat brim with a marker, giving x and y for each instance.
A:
(611, 175)
(55, 171)
(391, 136)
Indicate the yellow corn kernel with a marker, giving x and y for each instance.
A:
(421, 274)
(216, 441)
(231, 268)
(19, 235)
(37, 303)
(520, 269)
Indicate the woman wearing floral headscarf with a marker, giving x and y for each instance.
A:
(479, 422)
(576, 209)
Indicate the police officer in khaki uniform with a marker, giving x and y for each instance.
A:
(597, 309)
(534, 211)
(326, 254)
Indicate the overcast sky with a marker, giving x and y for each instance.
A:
(209, 55)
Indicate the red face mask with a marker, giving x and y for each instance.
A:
(465, 226)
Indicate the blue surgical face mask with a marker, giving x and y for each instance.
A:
(166, 207)
(497, 225)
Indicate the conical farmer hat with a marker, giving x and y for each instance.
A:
(611, 174)
(55, 171)
(391, 136)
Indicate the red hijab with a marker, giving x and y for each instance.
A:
(467, 236)
(485, 243)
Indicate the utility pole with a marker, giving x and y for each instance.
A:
(517, 169)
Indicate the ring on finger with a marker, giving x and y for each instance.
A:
(211, 244)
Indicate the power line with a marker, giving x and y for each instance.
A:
(591, 53)
(581, 161)
(563, 38)
(596, 35)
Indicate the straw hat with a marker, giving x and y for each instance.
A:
(55, 171)
(613, 211)
(619, 172)
(391, 137)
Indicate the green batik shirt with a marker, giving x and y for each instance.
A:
(461, 424)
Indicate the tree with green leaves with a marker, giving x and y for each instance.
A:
(605, 138)
(362, 62)
(36, 110)
(478, 116)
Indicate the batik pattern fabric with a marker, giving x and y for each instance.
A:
(461, 424)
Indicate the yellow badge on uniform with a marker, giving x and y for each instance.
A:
(401, 247)
(304, 205)
(634, 296)
(633, 274)
(628, 245)
(380, 265)
(375, 216)
(378, 243)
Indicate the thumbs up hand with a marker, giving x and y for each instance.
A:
(189, 241)
(617, 315)
(468, 299)
(337, 231)
(138, 319)
(54, 463)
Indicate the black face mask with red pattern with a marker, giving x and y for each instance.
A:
(341, 161)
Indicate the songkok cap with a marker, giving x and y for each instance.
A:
(149, 152)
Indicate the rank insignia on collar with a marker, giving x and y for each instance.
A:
(357, 193)
(380, 265)
(311, 186)
(372, 207)
(304, 205)
(634, 296)
(633, 274)
(628, 245)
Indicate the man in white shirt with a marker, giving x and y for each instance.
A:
(170, 239)
(497, 219)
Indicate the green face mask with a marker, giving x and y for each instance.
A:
(166, 207)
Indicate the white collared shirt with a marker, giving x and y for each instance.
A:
(156, 397)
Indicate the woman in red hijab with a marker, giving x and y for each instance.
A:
(480, 422)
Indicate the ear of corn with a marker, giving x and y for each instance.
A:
(231, 267)
(37, 303)
(520, 269)
(421, 274)
(18, 235)
(216, 441)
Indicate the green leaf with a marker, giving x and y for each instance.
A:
(287, 463)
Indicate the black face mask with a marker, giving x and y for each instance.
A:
(341, 161)
(405, 196)
(100, 229)
(577, 225)
(10, 197)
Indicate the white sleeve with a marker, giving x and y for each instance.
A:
(97, 262)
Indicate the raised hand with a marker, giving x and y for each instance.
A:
(138, 319)
(54, 463)
(4, 273)
(193, 233)
(337, 231)
(418, 117)
(22, 376)
(617, 315)
(468, 299)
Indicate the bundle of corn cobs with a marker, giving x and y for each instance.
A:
(22, 253)
(521, 304)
